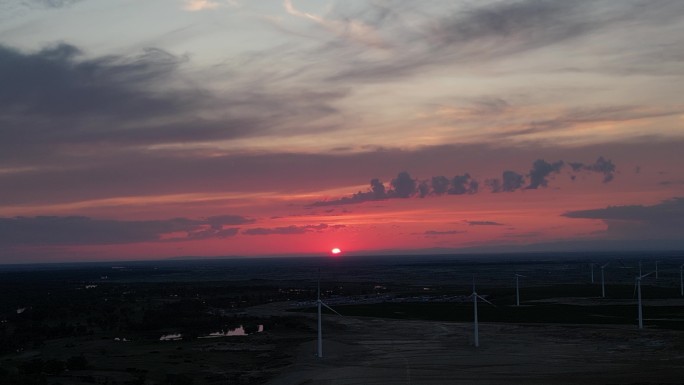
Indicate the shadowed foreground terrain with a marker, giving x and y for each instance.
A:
(384, 351)
(406, 321)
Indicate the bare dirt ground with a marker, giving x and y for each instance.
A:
(359, 350)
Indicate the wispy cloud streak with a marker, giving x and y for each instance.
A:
(76, 230)
(200, 5)
(353, 30)
(291, 230)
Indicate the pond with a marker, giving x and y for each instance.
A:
(239, 331)
(171, 337)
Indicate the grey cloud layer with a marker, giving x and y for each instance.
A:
(451, 32)
(667, 212)
(595, 115)
(14, 8)
(103, 175)
(447, 232)
(53, 230)
(78, 231)
(55, 101)
(52, 3)
(74, 123)
(54, 83)
(484, 223)
(290, 230)
(660, 221)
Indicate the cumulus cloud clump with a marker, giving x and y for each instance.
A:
(405, 186)
(601, 166)
(541, 170)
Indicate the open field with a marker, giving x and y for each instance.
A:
(382, 351)
(407, 321)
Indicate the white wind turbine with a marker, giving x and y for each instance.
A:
(638, 288)
(603, 281)
(320, 317)
(517, 289)
(476, 330)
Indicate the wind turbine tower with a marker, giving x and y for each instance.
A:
(638, 287)
(592, 272)
(476, 330)
(320, 317)
(603, 281)
(517, 289)
(656, 270)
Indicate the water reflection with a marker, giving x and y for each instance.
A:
(239, 331)
(171, 337)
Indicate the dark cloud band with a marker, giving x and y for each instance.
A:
(74, 230)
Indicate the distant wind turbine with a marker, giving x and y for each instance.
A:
(656, 270)
(592, 272)
(517, 289)
(603, 281)
(320, 317)
(476, 330)
(638, 288)
(681, 280)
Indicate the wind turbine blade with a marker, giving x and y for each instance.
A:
(646, 275)
(604, 266)
(635, 289)
(319, 285)
(486, 301)
(331, 309)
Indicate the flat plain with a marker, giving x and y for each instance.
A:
(406, 320)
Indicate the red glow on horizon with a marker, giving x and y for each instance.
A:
(336, 251)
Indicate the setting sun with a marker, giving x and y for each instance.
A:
(335, 251)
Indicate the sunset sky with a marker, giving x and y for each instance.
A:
(147, 129)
